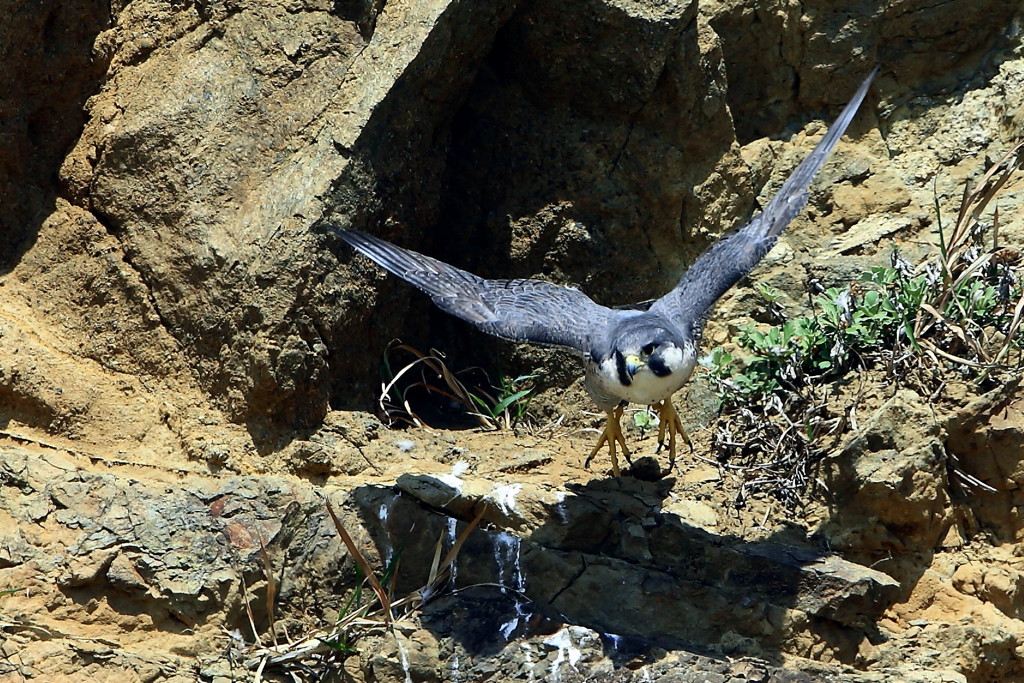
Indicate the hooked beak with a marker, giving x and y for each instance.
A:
(634, 363)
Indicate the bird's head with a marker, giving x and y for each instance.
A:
(648, 348)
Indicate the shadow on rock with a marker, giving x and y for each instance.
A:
(611, 556)
(55, 59)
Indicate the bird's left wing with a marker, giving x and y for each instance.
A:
(519, 310)
(725, 262)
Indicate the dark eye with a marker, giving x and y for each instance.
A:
(647, 350)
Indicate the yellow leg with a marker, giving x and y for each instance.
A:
(668, 419)
(611, 435)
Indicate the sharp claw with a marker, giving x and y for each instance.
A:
(668, 419)
(612, 435)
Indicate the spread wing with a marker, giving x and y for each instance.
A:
(519, 310)
(726, 261)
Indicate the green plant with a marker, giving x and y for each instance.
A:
(645, 420)
(772, 298)
(493, 407)
(874, 319)
(508, 405)
(975, 292)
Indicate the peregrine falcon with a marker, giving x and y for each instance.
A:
(641, 354)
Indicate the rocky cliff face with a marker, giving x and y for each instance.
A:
(173, 315)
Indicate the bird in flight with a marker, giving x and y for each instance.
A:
(642, 354)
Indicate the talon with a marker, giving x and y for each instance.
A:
(668, 420)
(611, 435)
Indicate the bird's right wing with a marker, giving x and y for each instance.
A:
(519, 310)
(725, 262)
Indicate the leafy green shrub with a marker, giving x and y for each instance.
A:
(873, 319)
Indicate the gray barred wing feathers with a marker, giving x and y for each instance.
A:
(725, 262)
(519, 310)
